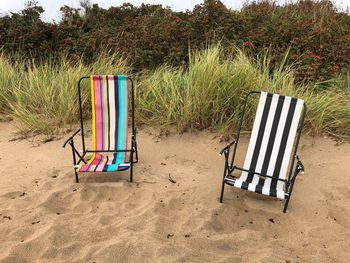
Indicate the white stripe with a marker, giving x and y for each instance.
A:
(254, 135)
(290, 142)
(238, 183)
(112, 118)
(276, 145)
(280, 194)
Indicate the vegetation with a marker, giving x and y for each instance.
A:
(192, 68)
(206, 94)
(43, 98)
(209, 93)
(317, 34)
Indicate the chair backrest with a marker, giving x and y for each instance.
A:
(272, 139)
(109, 97)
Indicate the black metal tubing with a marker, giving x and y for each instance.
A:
(301, 124)
(81, 159)
(296, 172)
(107, 151)
(227, 147)
(226, 150)
(299, 167)
(70, 140)
(81, 111)
(228, 167)
(134, 146)
(260, 174)
(240, 124)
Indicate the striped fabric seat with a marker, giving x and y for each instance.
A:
(270, 147)
(109, 97)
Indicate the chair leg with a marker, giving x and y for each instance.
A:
(289, 196)
(223, 182)
(71, 143)
(222, 191)
(286, 205)
(76, 176)
(131, 172)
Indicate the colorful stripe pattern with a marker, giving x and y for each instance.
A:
(270, 146)
(109, 97)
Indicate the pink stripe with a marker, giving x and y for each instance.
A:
(99, 162)
(98, 112)
(110, 159)
(100, 166)
(84, 168)
(97, 159)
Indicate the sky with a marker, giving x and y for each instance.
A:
(52, 7)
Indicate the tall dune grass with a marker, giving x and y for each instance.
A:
(8, 82)
(208, 94)
(43, 98)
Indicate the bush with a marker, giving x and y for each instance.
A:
(318, 35)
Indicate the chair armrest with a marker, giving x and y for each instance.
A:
(227, 147)
(133, 137)
(298, 169)
(70, 138)
(300, 166)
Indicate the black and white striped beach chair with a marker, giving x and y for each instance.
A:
(272, 149)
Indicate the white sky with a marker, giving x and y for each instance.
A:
(52, 6)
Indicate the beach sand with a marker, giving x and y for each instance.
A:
(46, 217)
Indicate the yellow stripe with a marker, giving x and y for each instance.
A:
(79, 167)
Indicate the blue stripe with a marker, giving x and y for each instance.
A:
(122, 117)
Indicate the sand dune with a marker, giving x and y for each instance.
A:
(46, 217)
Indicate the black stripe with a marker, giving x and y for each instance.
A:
(271, 141)
(114, 158)
(283, 144)
(105, 166)
(245, 185)
(109, 117)
(116, 97)
(102, 113)
(259, 137)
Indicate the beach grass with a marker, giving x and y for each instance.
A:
(43, 98)
(208, 94)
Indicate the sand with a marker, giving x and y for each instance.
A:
(46, 217)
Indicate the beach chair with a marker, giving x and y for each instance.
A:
(112, 148)
(272, 150)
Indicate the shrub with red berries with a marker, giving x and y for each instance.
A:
(150, 35)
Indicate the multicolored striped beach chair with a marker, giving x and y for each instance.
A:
(272, 149)
(111, 148)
